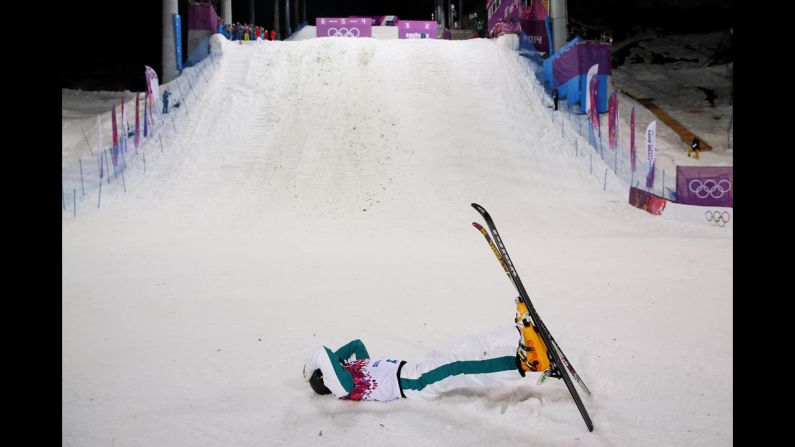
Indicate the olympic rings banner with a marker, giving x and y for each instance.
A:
(705, 186)
(418, 29)
(343, 27)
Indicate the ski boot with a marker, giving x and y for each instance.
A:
(532, 352)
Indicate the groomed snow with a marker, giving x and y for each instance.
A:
(318, 192)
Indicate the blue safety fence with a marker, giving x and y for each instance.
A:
(591, 146)
(88, 182)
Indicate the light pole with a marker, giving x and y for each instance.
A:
(169, 55)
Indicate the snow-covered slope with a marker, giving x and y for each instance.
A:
(318, 192)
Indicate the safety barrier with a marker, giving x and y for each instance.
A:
(83, 183)
(588, 143)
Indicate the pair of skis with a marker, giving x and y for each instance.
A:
(560, 366)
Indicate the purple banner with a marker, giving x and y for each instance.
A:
(705, 186)
(507, 12)
(612, 121)
(418, 29)
(202, 16)
(579, 58)
(536, 31)
(343, 27)
(506, 28)
(535, 27)
(379, 20)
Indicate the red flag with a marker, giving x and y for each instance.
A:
(137, 138)
(612, 121)
(115, 150)
(123, 128)
(594, 108)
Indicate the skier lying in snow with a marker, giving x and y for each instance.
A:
(350, 373)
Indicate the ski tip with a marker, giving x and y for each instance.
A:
(479, 208)
(477, 225)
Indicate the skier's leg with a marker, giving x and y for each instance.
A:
(474, 361)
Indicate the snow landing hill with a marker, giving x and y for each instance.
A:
(318, 192)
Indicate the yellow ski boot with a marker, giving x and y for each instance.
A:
(532, 351)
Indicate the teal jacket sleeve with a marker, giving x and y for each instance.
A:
(354, 350)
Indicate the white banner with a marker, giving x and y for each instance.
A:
(153, 87)
(651, 136)
(591, 73)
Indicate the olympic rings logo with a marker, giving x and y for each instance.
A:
(709, 188)
(343, 32)
(719, 218)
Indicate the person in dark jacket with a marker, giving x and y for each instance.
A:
(555, 98)
(695, 146)
(166, 94)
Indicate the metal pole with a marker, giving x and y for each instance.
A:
(170, 7)
(296, 18)
(86, 137)
(276, 15)
(287, 19)
(99, 198)
(559, 18)
(191, 86)
(226, 11)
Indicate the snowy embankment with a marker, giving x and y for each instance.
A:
(318, 192)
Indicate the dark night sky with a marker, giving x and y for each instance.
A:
(130, 38)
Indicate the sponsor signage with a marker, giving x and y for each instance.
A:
(343, 27)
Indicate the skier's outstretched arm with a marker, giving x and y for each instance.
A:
(354, 350)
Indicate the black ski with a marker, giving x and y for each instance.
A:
(557, 358)
(565, 360)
